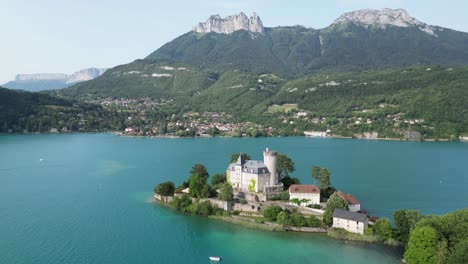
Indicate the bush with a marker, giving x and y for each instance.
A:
(271, 212)
(315, 206)
(282, 218)
(297, 219)
(313, 221)
(205, 208)
(369, 231)
(165, 189)
(259, 221)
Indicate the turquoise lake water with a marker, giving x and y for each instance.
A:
(84, 198)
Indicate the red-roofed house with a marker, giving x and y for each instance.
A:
(311, 193)
(353, 204)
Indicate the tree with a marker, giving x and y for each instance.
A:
(271, 212)
(198, 187)
(284, 165)
(322, 175)
(459, 253)
(335, 201)
(282, 218)
(252, 185)
(200, 169)
(297, 219)
(165, 188)
(316, 173)
(324, 178)
(235, 156)
(405, 220)
(383, 228)
(421, 245)
(288, 181)
(226, 192)
(218, 178)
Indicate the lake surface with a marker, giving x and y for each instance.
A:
(84, 198)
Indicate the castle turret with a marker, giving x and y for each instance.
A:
(269, 158)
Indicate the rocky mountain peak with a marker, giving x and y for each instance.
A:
(231, 24)
(79, 76)
(383, 18)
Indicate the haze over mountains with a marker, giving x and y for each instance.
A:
(50, 81)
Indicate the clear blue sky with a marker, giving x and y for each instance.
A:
(68, 35)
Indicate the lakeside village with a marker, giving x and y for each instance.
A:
(143, 118)
(252, 191)
(262, 194)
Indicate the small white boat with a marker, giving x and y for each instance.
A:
(215, 258)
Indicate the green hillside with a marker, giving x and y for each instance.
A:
(295, 51)
(22, 111)
(142, 79)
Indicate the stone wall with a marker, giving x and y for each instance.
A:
(249, 207)
(305, 229)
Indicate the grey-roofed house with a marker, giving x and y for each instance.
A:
(350, 221)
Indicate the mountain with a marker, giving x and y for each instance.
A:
(363, 39)
(52, 81)
(231, 24)
(363, 60)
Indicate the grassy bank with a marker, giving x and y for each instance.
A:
(339, 233)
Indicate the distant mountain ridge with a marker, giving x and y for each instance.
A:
(362, 39)
(49, 81)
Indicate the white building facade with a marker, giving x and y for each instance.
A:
(255, 175)
(309, 194)
(350, 221)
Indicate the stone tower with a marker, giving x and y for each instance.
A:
(269, 158)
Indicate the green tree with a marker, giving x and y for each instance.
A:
(383, 228)
(282, 218)
(297, 219)
(217, 179)
(288, 181)
(226, 192)
(235, 156)
(284, 165)
(442, 252)
(316, 173)
(421, 246)
(200, 169)
(198, 187)
(334, 202)
(324, 178)
(405, 220)
(271, 212)
(459, 253)
(165, 188)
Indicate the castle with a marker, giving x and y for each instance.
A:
(255, 175)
